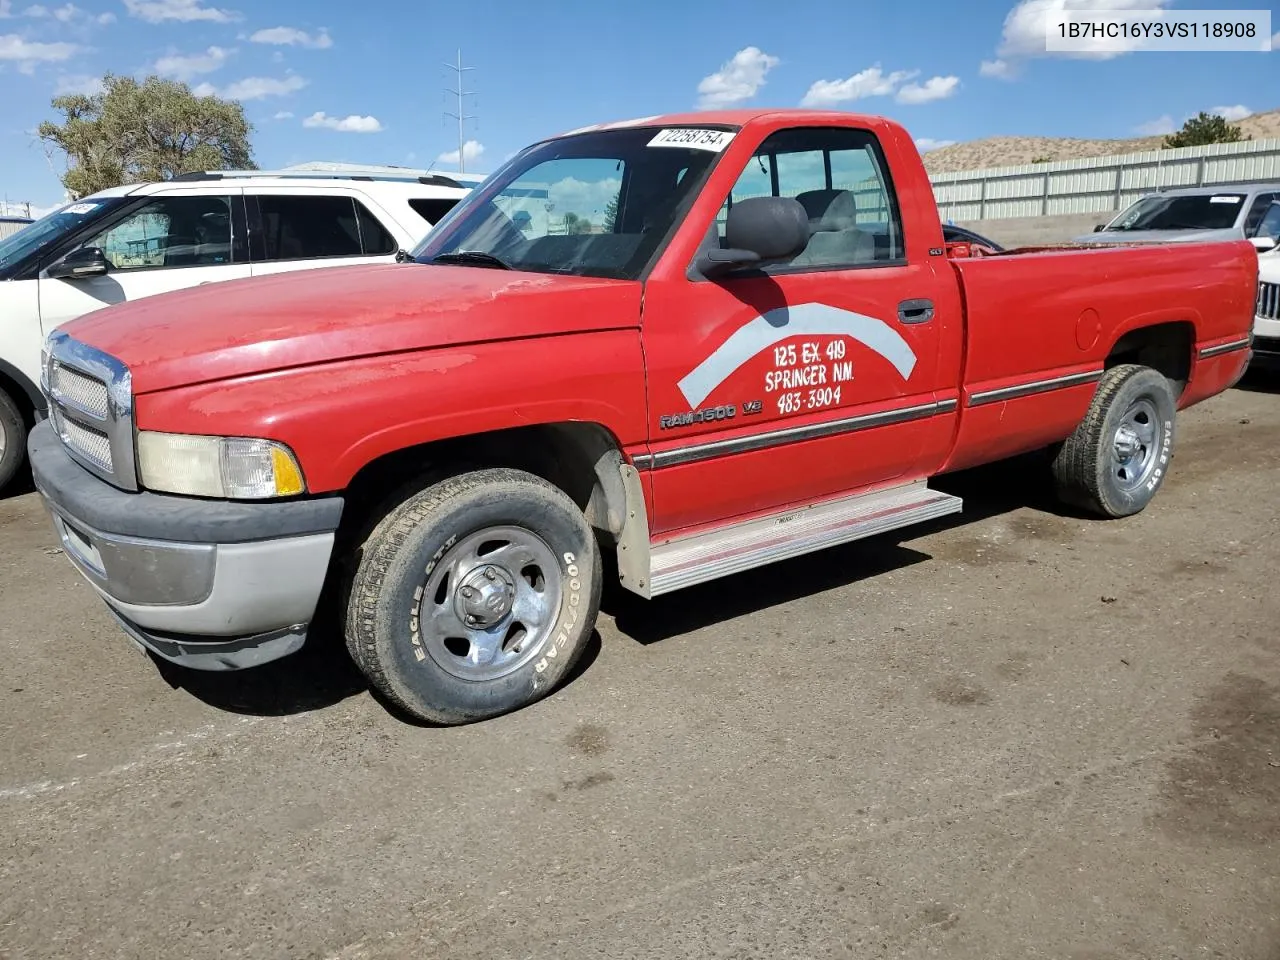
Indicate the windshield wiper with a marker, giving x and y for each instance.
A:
(471, 258)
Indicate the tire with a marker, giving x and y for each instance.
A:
(1118, 457)
(13, 440)
(500, 546)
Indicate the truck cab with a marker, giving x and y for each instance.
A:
(736, 337)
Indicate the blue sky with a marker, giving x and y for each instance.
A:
(328, 80)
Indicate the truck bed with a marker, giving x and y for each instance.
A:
(1040, 322)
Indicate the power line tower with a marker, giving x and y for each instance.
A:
(461, 116)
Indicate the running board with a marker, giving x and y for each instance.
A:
(696, 559)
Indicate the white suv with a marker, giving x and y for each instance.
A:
(1266, 324)
(137, 241)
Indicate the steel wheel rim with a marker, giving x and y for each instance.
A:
(4, 439)
(490, 604)
(1136, 445)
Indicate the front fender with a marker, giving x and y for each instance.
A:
(339, 417)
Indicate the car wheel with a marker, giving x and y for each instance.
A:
(475, 596)
(13, 440)
(1118, 457)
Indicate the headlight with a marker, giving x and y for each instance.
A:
(232, 468)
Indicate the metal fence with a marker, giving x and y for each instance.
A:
(1099, 184)
(11, 225)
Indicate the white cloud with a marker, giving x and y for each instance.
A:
(185, 67)
(1237, 112)
(34, 210)
(737, 80)
(471, 150)
(935, 88)
(87, 86)
(351, 124)
(585, 198)
(67, 13)
(1157, 127)
(184, 11)
(996, 68)
(283, 115)
(27, 54)
(1023, 36)
(1275, 41)
(292, 37)
(871, 82)
(925, 144)
(253, 88)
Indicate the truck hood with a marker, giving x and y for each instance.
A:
(242, 327)
(1160, 236)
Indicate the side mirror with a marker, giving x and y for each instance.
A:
(1098, 227)
(758, 230)
(79, 264)
(1264, 244)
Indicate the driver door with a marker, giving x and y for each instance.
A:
(169, 243)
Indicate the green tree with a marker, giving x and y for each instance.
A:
(610, 215)
(574, 224)
(1205, 128)
(153, 130)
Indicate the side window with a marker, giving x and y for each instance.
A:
(840, 177)
(170, 232)
(1270, 224)
(1261, 204)
(374, 238)
(430, 210)
(309, 227)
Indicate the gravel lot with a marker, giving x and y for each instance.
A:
(1017, 734)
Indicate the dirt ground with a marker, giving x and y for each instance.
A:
(1016, 734)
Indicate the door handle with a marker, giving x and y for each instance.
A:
(915, 311)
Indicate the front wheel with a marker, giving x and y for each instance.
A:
(475, 596)
(13, 439)
(1118, 457)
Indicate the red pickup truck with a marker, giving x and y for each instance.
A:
(701, 343)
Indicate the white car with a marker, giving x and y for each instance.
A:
(1266, 322)
(137, 241)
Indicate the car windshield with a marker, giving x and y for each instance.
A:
(593, 204)
(52, 226)
(1217, 211)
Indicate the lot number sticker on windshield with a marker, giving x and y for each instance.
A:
(1224, 199)
(79, 209)
(693, 138)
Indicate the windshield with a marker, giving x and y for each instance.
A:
(50, 227)
(1216, 211)
(597, 204)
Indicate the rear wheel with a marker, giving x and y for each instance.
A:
(13, 439)
(1118, 457)
(475, 596)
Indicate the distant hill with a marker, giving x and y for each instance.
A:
(1008, 151)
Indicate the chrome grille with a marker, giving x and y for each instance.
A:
(91, 444)
(76, 389)
(1268, 301)
(90, 395)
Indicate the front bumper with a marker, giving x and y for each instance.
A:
(1266, 341)
(212, 585)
